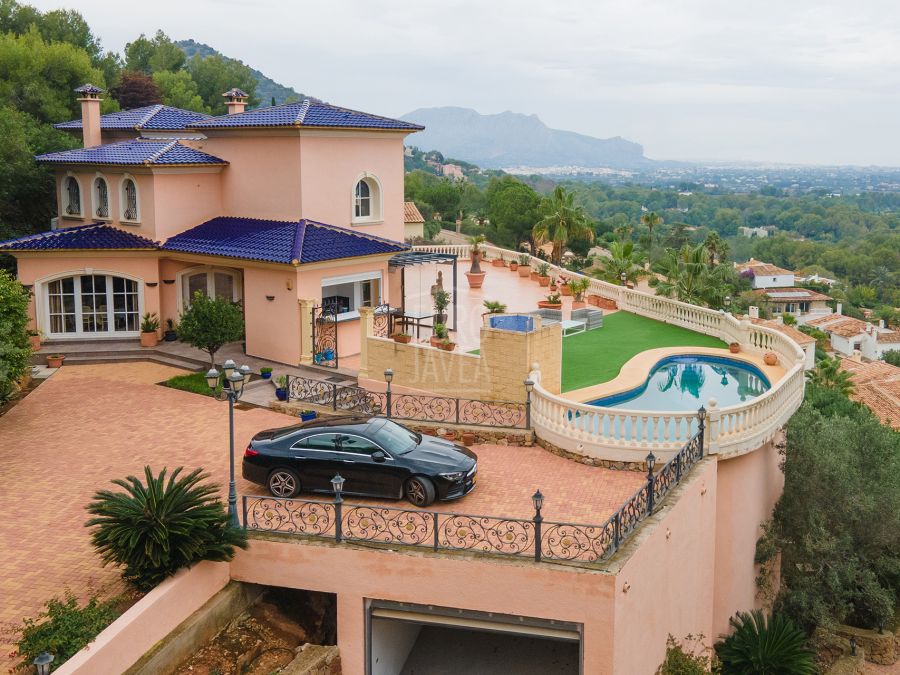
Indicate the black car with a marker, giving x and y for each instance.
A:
(376, 457)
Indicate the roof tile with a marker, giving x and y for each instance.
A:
(133, 152)
(150, 118)
(79, 237)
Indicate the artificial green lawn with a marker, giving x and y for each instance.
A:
(596, 356)
(195, 382)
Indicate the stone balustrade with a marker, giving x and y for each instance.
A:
(618, 434)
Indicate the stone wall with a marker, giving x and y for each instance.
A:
(879, 647)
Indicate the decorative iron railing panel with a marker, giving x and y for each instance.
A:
(290, 516)
(325, 335)
(383, 321)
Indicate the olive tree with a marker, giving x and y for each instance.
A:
(210, 323)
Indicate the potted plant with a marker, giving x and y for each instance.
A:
(447, 345)
(544, 274)
(734, 347)
(441, 302)
(553, 285)
(553, 301)
(35, 337)
(265, 372)
(149, 326)
(440, 333)
(308, 415)
(402, 338)
(513, 265)
(577, 287)
(563, 283)
(281, 383)
(498, 262)
(493, 307)
(475, 275)
(55, 360)
(524, 265)
(171, 333)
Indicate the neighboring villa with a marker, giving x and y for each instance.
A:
(849, 335)
(267, 207)
(776, 291)
(413, 222)
(750, 232)
(764, 275)
(878, 387)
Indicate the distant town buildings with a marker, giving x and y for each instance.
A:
(750, 232)
(413, 221)
(765, 275)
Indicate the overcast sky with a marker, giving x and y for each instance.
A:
(806, 81)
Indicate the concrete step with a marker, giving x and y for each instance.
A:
(89, 359)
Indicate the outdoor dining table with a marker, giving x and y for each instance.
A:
(417, 319)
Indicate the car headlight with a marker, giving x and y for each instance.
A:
(453, 476)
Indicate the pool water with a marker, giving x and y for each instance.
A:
(514, 322)
(687, 382)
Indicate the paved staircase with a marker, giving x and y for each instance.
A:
(79, 352)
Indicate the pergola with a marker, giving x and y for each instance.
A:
(414, 258)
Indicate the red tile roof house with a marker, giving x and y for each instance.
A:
(267, 207)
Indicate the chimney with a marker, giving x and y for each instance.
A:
(753, 312)
(881, 323)
(235, 101)
(839, 309)
(90, 113)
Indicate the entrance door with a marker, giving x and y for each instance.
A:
(211, 282)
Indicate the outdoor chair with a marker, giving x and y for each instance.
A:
(593, 318)
(548, 316)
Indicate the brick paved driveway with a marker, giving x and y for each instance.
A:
(89, 424)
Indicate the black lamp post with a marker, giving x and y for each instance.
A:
(538, 500)
(651, 462)
(701, 427)
(388, 377)
(337, 484)
(232, 388)
(42, 663)
(529, 387)
(624, 277)
(727, 303)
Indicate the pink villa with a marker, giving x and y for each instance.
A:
(272, 208)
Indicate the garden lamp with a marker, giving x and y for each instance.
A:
(228, 367)
(337, 483)
(701, 414)
(42, 663)
(237, 382)
(538, 500)
(212, 378)
(623, 277)
(388, 375)
(245, 373)
(651, 462)
(529, 387)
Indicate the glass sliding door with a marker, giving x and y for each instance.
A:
(92, 305)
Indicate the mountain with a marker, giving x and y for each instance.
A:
(511, 139)
(266, 88)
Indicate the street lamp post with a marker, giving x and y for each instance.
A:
(624, 277)
(538, 500)
(529, 387)
(232, 388)
(337, 484)
(651, 479)
(388, 377)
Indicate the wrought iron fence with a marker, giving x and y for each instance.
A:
(535, 538)
(410, 407)
(325, 335)
(383, 321)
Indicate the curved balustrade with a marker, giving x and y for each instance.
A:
(627, 435)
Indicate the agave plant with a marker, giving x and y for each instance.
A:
(156, 527)
(761, 646)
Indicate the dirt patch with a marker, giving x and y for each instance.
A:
(19, 395)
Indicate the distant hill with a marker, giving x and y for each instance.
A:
(266, 87)
(511, 139)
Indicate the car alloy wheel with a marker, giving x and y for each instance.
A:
(419, 491)
(283, 483)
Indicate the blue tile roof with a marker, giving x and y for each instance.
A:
(308, 113)
(150, 118)
(303, 241)
(134, 152)
(93, 236)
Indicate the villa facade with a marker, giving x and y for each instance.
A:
(281, 209)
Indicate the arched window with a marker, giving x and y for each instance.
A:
(129, 197)
(72, 195)
(367, 200)
(101, 197)
(213, 282)
(91, 304)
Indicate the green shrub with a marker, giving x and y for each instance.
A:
(765, 646)
(689, 657)
(892, 356)
(64, 627)
(210, 323)
(15, 348)
(153, 529)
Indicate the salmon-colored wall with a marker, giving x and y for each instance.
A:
(263, 176)
(184, 200)
(331, 167)
(354, 574)
(272, 326)
(749, 486)
(668, 577)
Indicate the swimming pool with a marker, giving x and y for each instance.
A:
(685, 382)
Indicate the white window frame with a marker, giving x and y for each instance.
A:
(42, 304)
(376, 200)
(181, 277)
(123, 202)
(95, 199)
(64, 196)
(356, 280)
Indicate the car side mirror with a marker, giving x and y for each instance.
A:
(378, 456)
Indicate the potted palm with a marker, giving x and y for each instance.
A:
(553, 301)
(149, 326)
(441, 302)
(475, 275)
(171, 333)
(281, 383)
(544, 274)
(265, 373)
(493, 307)
(402, 338)
(553, 285)
(440, 333)
(524, 265)
(578, 287)
(55, 360)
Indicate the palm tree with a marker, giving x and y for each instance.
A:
(716, 247)
(624, 259)
(761, 646)
(561, 223)
(828, 374)
(651, 220)
(688, 276)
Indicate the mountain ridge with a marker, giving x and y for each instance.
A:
(510, 139)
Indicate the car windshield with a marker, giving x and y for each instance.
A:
(395, 438)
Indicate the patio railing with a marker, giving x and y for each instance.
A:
(410, 407)
(618, 434)
(535, 538)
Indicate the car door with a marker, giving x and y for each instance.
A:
(315, 458)
(368, 475)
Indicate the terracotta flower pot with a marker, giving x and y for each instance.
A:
(498, 262)
(468, 438)
(535, 276)
(594, 300)
(554, 288)
(734, 348)
(55, 361)
(524, 271)
(770, 359)
(450, 435)
(513, 266)
(475, 279)
(149, 339)
(565, 290)
(578, 304)
(544, 281)
(402, 339)
(35, 341)
(543, 304)
(434, 341)
(447, 346)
